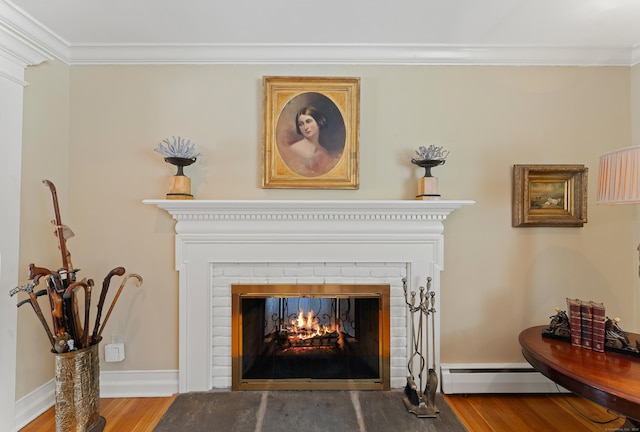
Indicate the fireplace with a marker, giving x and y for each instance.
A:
(220, 244)
(305, 336)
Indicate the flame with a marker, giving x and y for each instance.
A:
(303, 328)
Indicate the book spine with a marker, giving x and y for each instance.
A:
(586, 312)
(598, 324)
(575, 321)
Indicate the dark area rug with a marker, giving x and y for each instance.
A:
(275, 411)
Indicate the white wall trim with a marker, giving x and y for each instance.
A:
(352, 54)
(635, 55)
(35, 403)
(17, 50)
(126, 384)
(31, 32)
(467, 378)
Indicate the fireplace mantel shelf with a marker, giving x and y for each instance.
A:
(305, 209)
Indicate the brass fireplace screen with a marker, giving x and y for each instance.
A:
(321, 337)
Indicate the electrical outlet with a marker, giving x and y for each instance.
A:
(114, 352)
(116, 339)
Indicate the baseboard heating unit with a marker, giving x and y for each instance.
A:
(467, 378)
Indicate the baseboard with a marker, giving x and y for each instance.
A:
(127, 384)
(35, 403)
(467, 378)
(112, 385)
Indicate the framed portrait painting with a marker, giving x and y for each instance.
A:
(311, 131)
(549, 195)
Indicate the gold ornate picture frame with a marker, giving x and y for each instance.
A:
(311, 129)
(549, 195)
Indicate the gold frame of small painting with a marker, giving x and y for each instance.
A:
(311, 129)
(549, 195)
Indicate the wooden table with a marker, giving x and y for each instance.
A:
(608, 379)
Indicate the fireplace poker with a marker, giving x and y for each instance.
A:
(432, 376)
(410, 390)
(420, 338)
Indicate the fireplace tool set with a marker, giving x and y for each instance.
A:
(421, 400)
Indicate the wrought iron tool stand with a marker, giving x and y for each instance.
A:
(421, 400)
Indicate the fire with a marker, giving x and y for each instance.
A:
(305, 332)
(303, 328)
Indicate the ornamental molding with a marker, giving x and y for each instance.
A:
(35, 35)
(313, 211)
(351, 54)
(18, 49)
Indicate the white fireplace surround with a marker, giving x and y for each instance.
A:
(219, 243)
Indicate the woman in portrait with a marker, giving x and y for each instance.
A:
(311, 158)
(314, 145)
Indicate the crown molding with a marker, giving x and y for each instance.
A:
(352, 54)
(635, 55)
(17, 49)
(32, 33)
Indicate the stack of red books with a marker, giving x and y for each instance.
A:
(586, 324)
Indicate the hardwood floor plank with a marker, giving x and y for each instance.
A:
(124, 414)
(531, 413)
(467, 413)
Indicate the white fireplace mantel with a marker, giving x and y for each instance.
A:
(213, 236)
(184, 209)
(196, 216)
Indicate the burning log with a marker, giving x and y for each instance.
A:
(306, 331)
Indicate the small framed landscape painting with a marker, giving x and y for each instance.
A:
(549, 196)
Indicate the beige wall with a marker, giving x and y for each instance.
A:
(635, 140)
(45, 155)
(635, 104)
(497, 279)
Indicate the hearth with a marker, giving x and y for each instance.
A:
(309, 336)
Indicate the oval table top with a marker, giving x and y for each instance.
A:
(609, 379)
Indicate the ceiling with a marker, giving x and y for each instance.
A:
(360, 31)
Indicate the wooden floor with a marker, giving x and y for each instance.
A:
(479, 413)
(522, 413)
